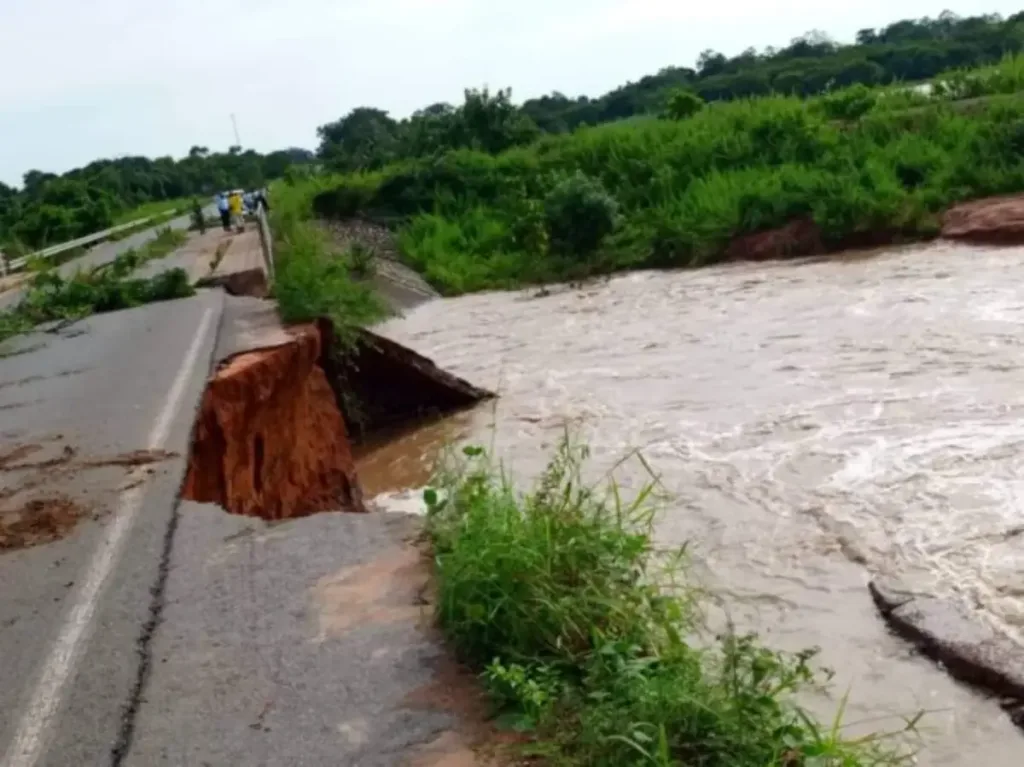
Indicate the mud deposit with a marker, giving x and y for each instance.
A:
(29, 515)
(819, 424)
(38, 521)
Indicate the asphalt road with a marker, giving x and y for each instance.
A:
(74, 611)
(101, 254)
(146, 631)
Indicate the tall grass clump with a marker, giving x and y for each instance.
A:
(584, 633)
(312, 279)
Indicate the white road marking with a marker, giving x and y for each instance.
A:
(40, 714)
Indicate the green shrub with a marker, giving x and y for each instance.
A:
(849, 103)
(579, 214)
(583, 630)
(681, 104)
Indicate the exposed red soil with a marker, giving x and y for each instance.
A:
(270, 440)
(802, 238)
(38, 521)
(797, 238)
(996, 220)
(993, 220)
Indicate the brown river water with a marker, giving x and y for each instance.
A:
(816, 422)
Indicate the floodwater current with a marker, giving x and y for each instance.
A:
(817, 423)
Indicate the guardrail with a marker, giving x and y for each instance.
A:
(266, 241)
(17, 264)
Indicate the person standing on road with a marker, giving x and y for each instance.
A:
(235, 204)
(225, 211)
(198, 217)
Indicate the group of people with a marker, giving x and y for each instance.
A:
(235, 205)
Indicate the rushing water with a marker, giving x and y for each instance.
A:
(817, 422)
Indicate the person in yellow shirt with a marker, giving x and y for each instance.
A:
(235, 206)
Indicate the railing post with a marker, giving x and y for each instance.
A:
(266, 241)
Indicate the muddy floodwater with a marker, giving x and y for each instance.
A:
(818, 423)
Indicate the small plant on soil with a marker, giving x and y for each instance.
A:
(584, 632)
(360, 259)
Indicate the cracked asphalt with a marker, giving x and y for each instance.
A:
(151, 632)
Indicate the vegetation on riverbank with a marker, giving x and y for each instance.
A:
(312, 278)
(584, 633)
(857, 165)
(105, 288)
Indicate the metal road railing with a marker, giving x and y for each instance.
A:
(266, 241)
(17, 264)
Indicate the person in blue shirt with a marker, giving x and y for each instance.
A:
(225, 211)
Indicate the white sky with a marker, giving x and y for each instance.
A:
(103, 78)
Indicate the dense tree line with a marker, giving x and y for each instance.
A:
(905, 51)
(368, 138)
(909, 50)
(51, 208)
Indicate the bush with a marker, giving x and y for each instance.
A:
(579, 214)
(848, 103)
(682, 104)
(581, 631)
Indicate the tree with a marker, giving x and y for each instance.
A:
(710, 63)
(491, 123)
(365, 138)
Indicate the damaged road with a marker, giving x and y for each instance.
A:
(129, 618)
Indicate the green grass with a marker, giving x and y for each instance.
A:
(859, 163)
(584, 633)
(313, 279)
(108, 287)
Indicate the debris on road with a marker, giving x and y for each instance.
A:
(38, 521)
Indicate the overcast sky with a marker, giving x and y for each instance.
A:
(83, 80)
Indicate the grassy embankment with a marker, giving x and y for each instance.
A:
(105, 288)
(312, 278)
(584, 633)
(864, 165)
